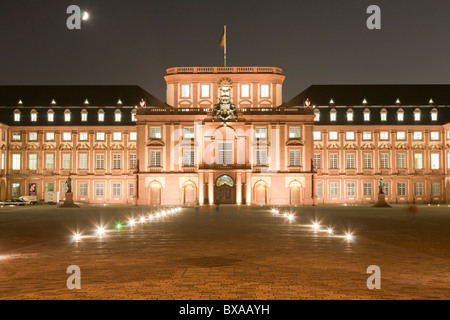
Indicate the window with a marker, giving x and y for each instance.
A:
(155, 158)
(133, 115)
(349, 115)
(401, 161)
(133, 161)
(50, 136)
(83, 136)
(319, 189)
(49, 187)
(350, 160)
(225, 153)
(401, 188)
(417, 135)
(317, 160)
(383, 115)
(100, 161)
(33, 136)
(386, 189)
(189, 133)
(350, 135)
(367, 135)
(418, 163)
(435, 189)
(84, 115)
(400, 115)
(3, 162)
(334, 191)
(66, 161)
(133, 136)
(332, 135)
(264, 91)
(367, 189)
(418, 189)
(367, 160)
(32, 161)
(417, 115)
(384, 161)
(188, 158)
(99, 189)
(83, 161)
(245, 91)
(15, 191)
(261, 158)
(434, 136)
(117, 136)
(100, 136)
(50, 115)
(435, 161)
(83, 189)
(317, 135)
(16, 136)
(117, 161)
(294, 158)
(101, 115)
(116, 189)
(333, 115)
(366, 115)
(384, 135)
(67, 115)
(261, 133)
(205, 91)
(185, 91)
(67, 136)
(155, 133)
(333, 161)
(401, 135)
(33, 114)
(294, 133)
(131, 191)
(434, 114)
(16, 162)
(316, 115)
(16, 115)
(50, 161)
(117, 115)
(350, 189)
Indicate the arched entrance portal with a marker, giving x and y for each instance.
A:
(190, 193)
(294, 193)
(261, 193)
(225, 190)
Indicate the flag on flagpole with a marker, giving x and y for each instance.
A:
(224, 40)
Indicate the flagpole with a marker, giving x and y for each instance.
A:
(225, 47)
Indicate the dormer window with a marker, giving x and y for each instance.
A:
(417, 114)
(17, 115)
(349, 115)
(101, 115)
(84, 115)
(133, 115)
(400, 115)
(67, 114)
(333, 115)
(117, 115)
(50, 115)
(366, 115)
(33, 115)
(434, 114)
(316, 115)
(383, 115)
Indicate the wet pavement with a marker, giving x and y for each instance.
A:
(237, 252)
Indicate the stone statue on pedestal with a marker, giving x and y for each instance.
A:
(69, 184)
(381, 185)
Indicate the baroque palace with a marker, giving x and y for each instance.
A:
(224, 135)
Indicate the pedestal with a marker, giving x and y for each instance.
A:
(68, 202)
(381, 201)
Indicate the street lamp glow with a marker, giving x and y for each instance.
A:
(348, 236)
(77, 237)
(330, 231)
(316, 226)
(131, 222)
(85, 16)
(100, 231)
(142, 220)
(290, 217)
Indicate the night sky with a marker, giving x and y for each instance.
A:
(133, 42)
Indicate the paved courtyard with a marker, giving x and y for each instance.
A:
(233, 253)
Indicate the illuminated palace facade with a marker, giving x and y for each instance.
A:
(224, 135)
